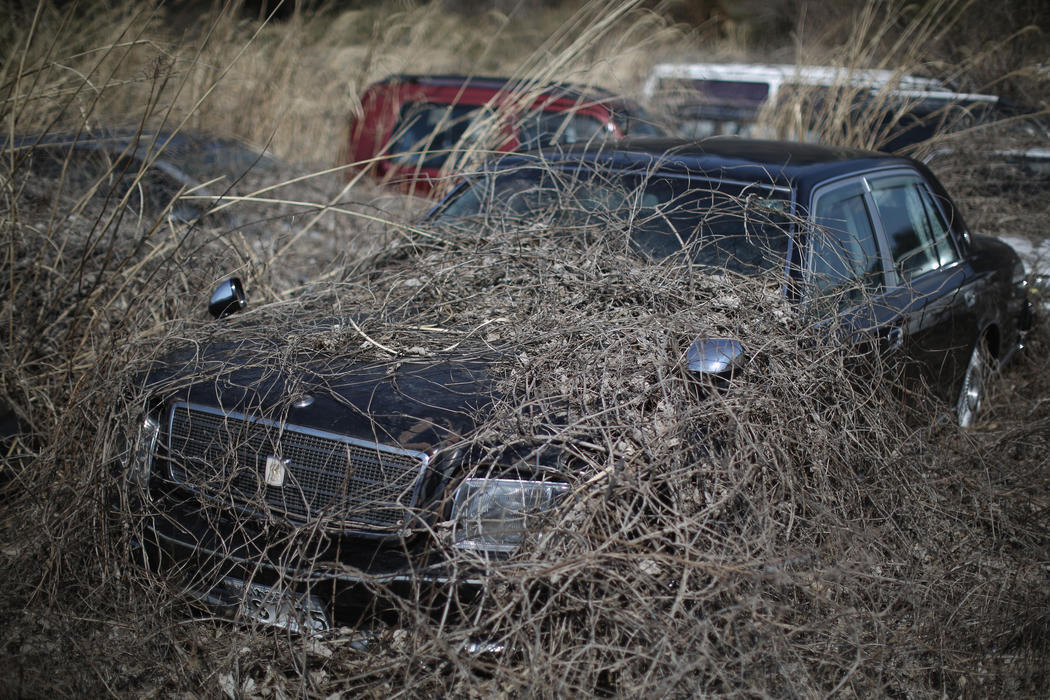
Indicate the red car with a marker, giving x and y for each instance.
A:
(410, 124)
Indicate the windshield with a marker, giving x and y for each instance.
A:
(206, 159)
(635, 120)
(743, 228)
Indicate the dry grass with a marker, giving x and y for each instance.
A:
(902, 39)
(827, 546)
(291, 85)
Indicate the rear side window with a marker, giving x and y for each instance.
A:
(732, 91)
(844, 256)
(915, 230)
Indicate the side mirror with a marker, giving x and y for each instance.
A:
(228, 298)
(714, 356)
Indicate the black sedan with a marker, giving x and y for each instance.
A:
(293, 490)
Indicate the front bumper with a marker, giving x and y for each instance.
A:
(223, 562)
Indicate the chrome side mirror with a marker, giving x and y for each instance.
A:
(228, 298)
(713, 356)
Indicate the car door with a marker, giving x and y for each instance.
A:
(930, 283)
(847, 274)
(881, 260)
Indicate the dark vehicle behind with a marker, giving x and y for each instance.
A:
(178, 172)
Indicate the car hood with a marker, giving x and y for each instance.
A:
(420, 403)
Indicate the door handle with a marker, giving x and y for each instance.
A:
(970, 297)
(895, 338)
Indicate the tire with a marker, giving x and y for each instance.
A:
(974, 387)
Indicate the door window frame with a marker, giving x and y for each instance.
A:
(857, 183)
(866, 180)
(916, 178)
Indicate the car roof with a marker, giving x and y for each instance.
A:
(785, 163)
(497, 83)
(775, 75)
(188, 155)
(623, 108)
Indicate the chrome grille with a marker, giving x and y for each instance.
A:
(343, 482)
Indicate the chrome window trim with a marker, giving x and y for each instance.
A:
(655, 171)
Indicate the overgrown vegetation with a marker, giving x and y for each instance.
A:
(828, 546)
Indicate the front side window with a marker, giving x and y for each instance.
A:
(844, 254)
(918, 238)
(550, 128)
(634, 120)
(426, 133)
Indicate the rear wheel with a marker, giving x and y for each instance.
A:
(975, 384)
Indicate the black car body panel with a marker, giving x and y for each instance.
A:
(421, 403)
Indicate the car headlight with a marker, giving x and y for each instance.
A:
(141, 463)
(495, 515)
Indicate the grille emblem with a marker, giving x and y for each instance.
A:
(303, 401)
(275, 470)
